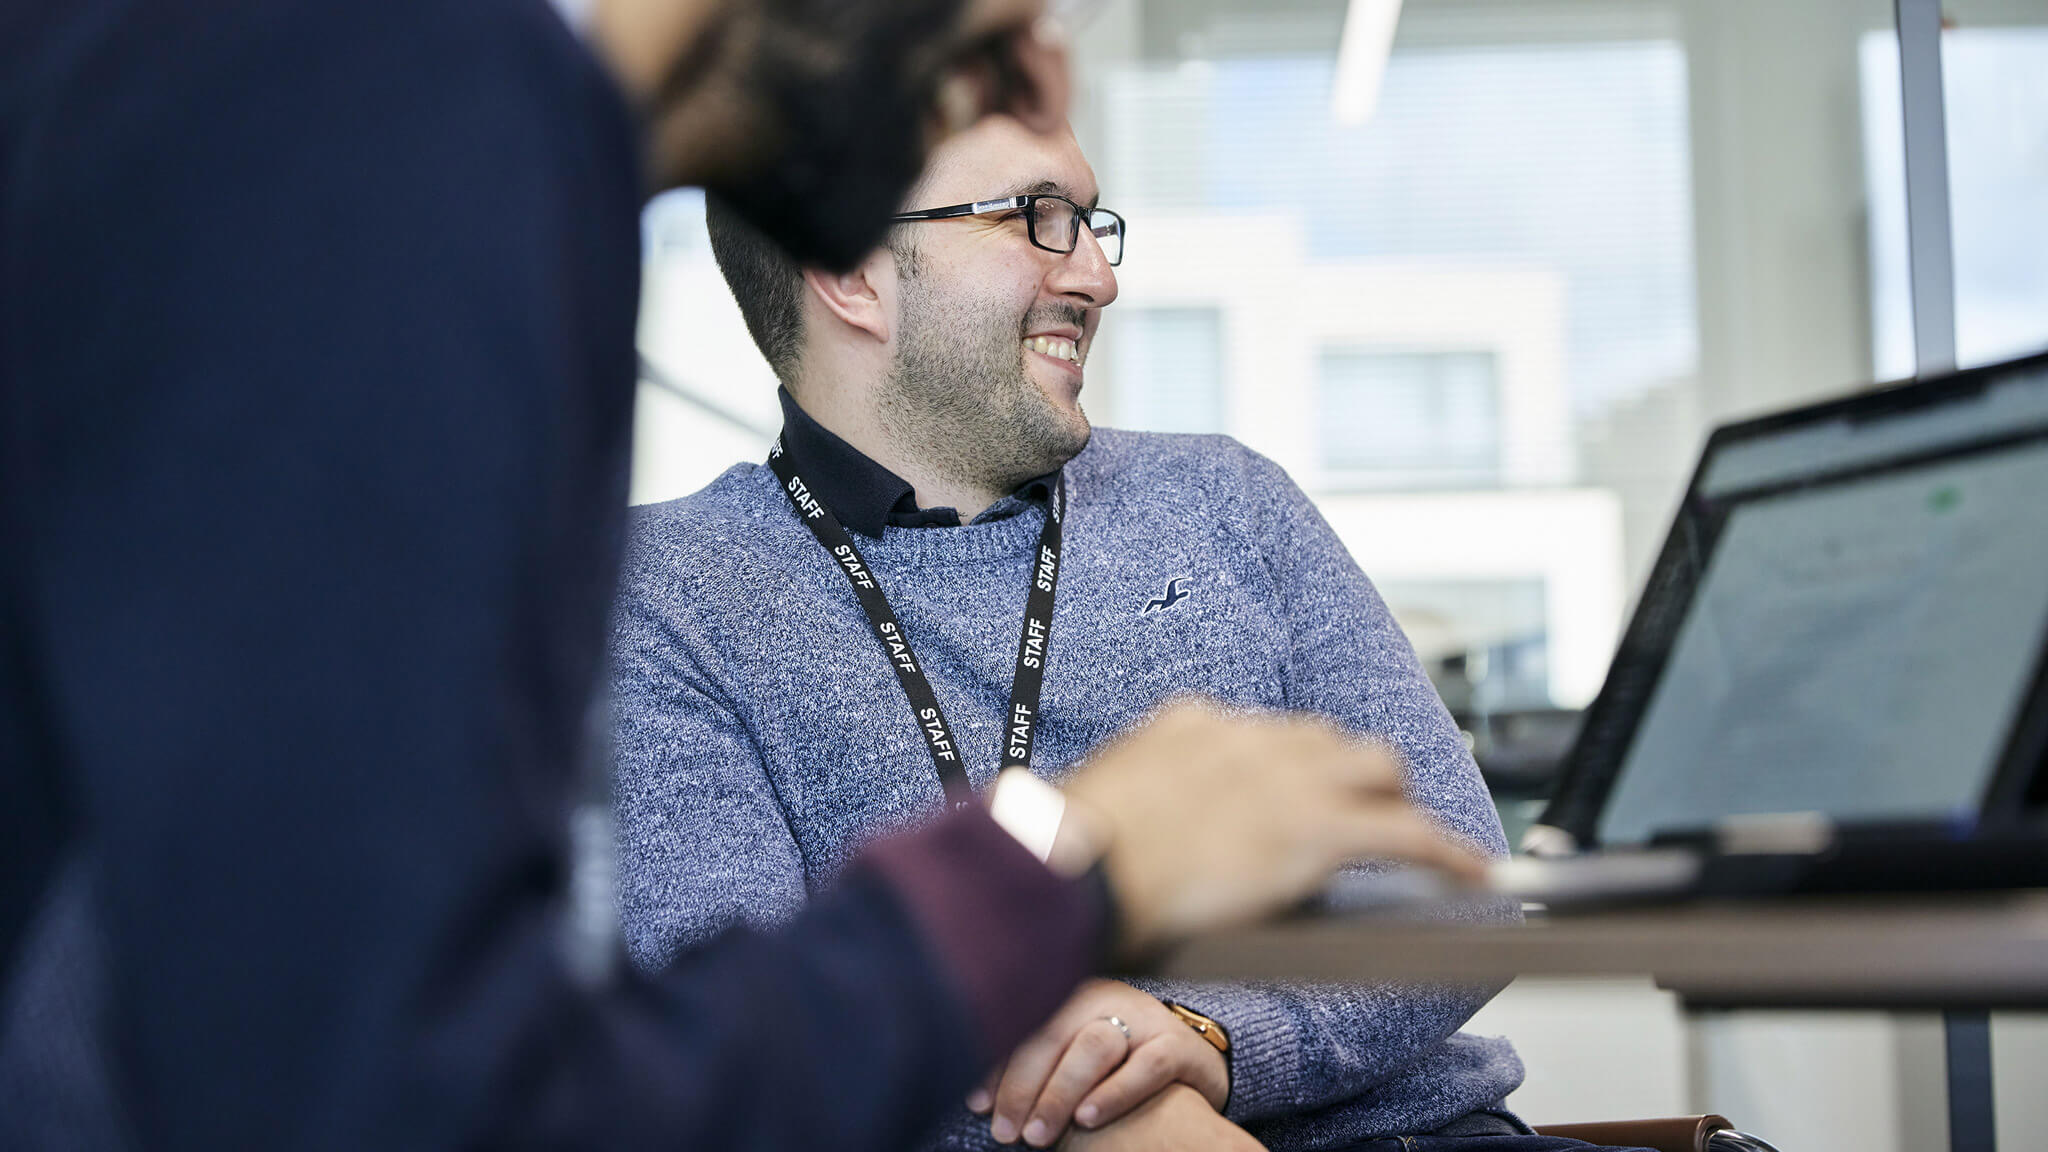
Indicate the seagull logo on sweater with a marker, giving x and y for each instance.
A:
(1173, 596)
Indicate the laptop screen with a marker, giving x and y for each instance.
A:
(1857, 649)
(1848, 619)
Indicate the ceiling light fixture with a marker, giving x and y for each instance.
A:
(1362, 59)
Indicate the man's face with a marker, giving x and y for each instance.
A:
(992, 332)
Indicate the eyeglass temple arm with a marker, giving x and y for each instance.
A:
(974, 209)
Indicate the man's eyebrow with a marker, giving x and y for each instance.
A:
(1055, 188)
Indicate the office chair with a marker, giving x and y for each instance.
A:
(1707, 1133)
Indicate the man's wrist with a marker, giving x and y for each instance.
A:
(1083, 840)
(1213, 1033)
(1067, 836)
(1204, 1026)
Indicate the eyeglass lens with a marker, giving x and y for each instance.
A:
(1056, 225)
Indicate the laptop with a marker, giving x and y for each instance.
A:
(1836, 679)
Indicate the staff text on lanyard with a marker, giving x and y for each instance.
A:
(1025, 686)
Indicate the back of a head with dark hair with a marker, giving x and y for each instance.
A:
(765, 282)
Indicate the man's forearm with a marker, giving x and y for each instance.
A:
(1295, 1048)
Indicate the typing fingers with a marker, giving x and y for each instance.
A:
(1398, 832)
(1358, 764)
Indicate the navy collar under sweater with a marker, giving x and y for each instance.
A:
(868, 497)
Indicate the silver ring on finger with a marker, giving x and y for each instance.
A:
(1120, 1026)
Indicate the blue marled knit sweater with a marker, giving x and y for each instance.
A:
(761, 734)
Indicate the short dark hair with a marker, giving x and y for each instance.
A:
(769, 286)
(764, 280)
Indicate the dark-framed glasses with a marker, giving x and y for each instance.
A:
(1053, 222)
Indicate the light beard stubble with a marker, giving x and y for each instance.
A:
(961, 400)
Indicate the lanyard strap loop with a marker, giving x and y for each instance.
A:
(1021, 723)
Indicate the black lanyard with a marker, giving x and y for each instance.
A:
(1025, 687)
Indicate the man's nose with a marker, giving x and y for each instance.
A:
(1085, 273)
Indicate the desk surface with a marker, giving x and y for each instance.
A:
(1971, 950)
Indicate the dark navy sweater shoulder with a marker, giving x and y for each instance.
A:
(316, 373)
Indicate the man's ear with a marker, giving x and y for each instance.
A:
(865, 298)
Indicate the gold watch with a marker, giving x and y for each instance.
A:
(1204, 1027)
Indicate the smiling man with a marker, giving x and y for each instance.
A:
(943, 572)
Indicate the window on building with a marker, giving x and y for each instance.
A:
(1997, 117)
(1393, 419)
(1169, 369)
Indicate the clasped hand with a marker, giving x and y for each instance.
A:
(1080, 1068)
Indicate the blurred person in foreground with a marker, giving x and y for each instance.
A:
(316, 363)
(937, 479)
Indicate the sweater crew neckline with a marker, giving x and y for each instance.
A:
(979, 542)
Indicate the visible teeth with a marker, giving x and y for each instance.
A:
(1055, 346)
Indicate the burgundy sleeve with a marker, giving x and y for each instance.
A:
(1014, 937)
